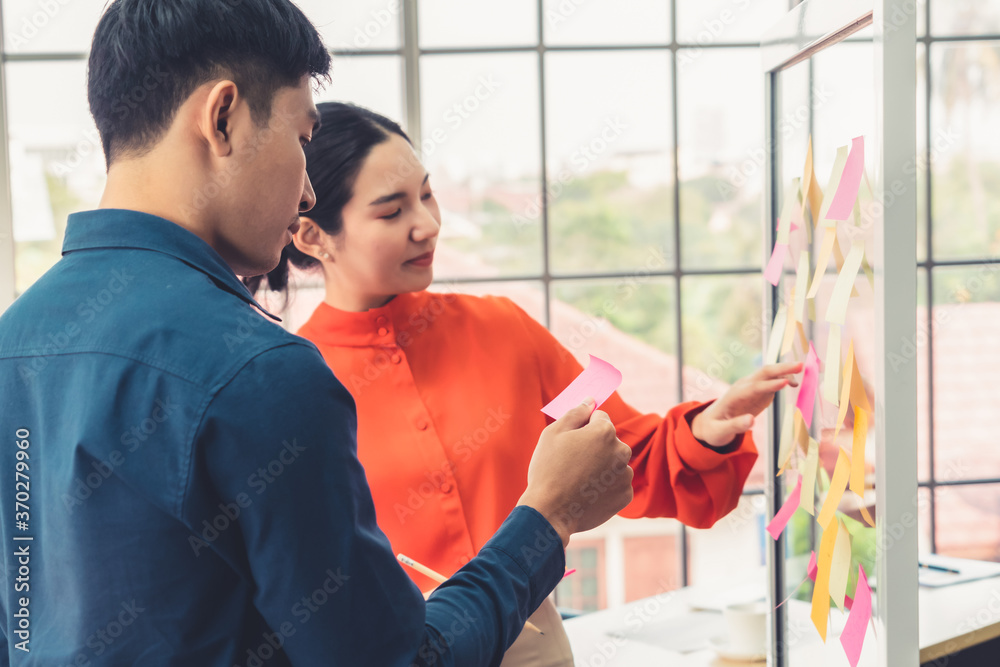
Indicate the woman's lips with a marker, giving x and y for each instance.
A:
(423, 260)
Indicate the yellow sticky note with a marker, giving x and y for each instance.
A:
(801, 287)
(803, 340)
(822, 259)
(838, 256)
(831, 186)
(858, 452)
(785, 448)
(837, 486)
(810, 188)
(821, 592)
(789, 337)
(837, 309)
(868, 517)
(801, 431)
(859, 397)
(787, 212)
(806, 500)
(777, 331)
(845, 389)
(830, 389)
(840, 565)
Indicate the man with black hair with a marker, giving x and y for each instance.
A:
(179, 483)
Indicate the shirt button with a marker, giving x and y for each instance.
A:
(396, 359)
(381, 320)
(446, 488)
(422, 424)
(383, 331)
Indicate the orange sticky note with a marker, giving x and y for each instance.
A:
(859, 398)
(840, 565)
(837, 486)
(811, 191)
(821, 592)
(868, 517)
(845, 389)
(858, 452)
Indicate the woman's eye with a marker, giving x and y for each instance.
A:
(391, 215)
(426, 196)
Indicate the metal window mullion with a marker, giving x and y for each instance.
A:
(928, 239)
(543, 172)
(410, 41)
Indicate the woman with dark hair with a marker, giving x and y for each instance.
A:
(449, 387)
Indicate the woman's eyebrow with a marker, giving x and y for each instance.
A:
(385, 199)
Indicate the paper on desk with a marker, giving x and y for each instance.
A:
(840, 566)
(847, 190)
(968, 570)
(836, 491)
(830, 389)
(777, 333)
(821, 591)
(774, 267)
(858, 451)
(822, 259)
(839, 162)
(853, 636)
(809, 465)
(599, 380)
(837, 309)
(780, 519)
(807, 390)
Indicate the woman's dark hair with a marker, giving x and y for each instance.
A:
(334, 158)
(148, 56)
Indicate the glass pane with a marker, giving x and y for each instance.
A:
(50, 26)
(457, 23)
(610, 187)
(733, 547)
(652, 565)
(964, 17)
(843, 97)
(967, 520)
(923, 381)
(706, 22)
(630, 322)
(529, 295)
(720, 143)
(57, 163)
(359, 24)
(921, 18)
(923, 521)
(965, 146)
(722, 342)
(966, 394)
(607, 22)
(372, 81)
(481, 144)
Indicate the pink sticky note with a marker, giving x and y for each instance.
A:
(847, 192)
(599, 381)
(810, 383)
(780, 519)
(774, 267)
(853, 636)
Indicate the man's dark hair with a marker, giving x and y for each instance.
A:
(148, 56)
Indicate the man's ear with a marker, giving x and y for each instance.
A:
(215, 118)
(310, 239)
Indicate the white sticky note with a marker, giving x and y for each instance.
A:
(777, 334)
(837, 309)
(830, 389)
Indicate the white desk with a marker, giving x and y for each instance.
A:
(951, 618)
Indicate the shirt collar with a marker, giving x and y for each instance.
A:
(120, 228)
(376, 327)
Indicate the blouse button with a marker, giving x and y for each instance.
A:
(446, 488)
(381, 320)
(396, 359)
(422, 424)
(383, 331)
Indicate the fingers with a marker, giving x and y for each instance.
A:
(773, 386)
(772, 371)
(599, 415)
(576, 417)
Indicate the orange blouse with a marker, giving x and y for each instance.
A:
(449, 390)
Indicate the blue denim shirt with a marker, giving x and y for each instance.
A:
(179, 483)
